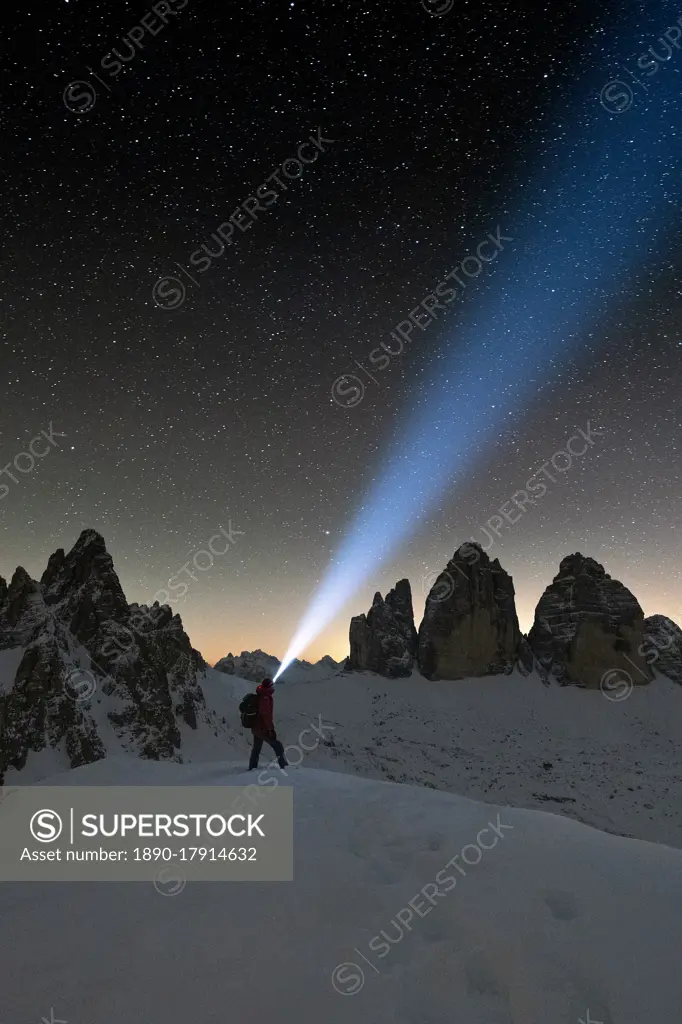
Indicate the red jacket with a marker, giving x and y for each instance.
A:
(264, 721)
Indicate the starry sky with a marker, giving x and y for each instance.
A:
(189, 407)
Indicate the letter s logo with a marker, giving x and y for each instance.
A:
(79, 97)
(355, 392)
(169, 292)
(46, 826)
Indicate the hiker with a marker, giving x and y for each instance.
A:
(263, 728)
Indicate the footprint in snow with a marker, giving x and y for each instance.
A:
(562, 904)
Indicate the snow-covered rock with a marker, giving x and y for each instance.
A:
(87, 673)
(385, 640)
(663, 646)
(257, 665)
(589, 628)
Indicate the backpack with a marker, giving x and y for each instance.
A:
(248, 709)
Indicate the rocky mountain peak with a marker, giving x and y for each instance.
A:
(385, 640)
(588, 625)
(85, 582)
(75, 637)
(226, 665)
(470, 627)
(255, 665)
(20, 583)
(399, 600)
(576, 565)
(23, 609)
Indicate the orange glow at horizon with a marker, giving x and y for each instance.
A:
(272, 637)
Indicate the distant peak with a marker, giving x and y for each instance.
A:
(20, 580)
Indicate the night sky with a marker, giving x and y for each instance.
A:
(180, 420)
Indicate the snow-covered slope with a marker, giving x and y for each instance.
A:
(505, 739)
(215, 734)
(556, 923)
(508, 740)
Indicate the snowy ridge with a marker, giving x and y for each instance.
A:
(506, 739)
(256, 665)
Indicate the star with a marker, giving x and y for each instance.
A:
(226, 402)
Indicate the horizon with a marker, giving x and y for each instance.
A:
(334, 640)
(272, 392)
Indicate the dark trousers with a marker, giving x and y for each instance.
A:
(258, 746)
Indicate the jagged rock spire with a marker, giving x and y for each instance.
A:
(385, 640)
(589, 628)
(76, 636)
(470, 627)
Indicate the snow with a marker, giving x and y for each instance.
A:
(505, 739)
(10, 660)
(40, 765)
(211, 741)
(613, 765)
(224, 692)
(557, 922)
